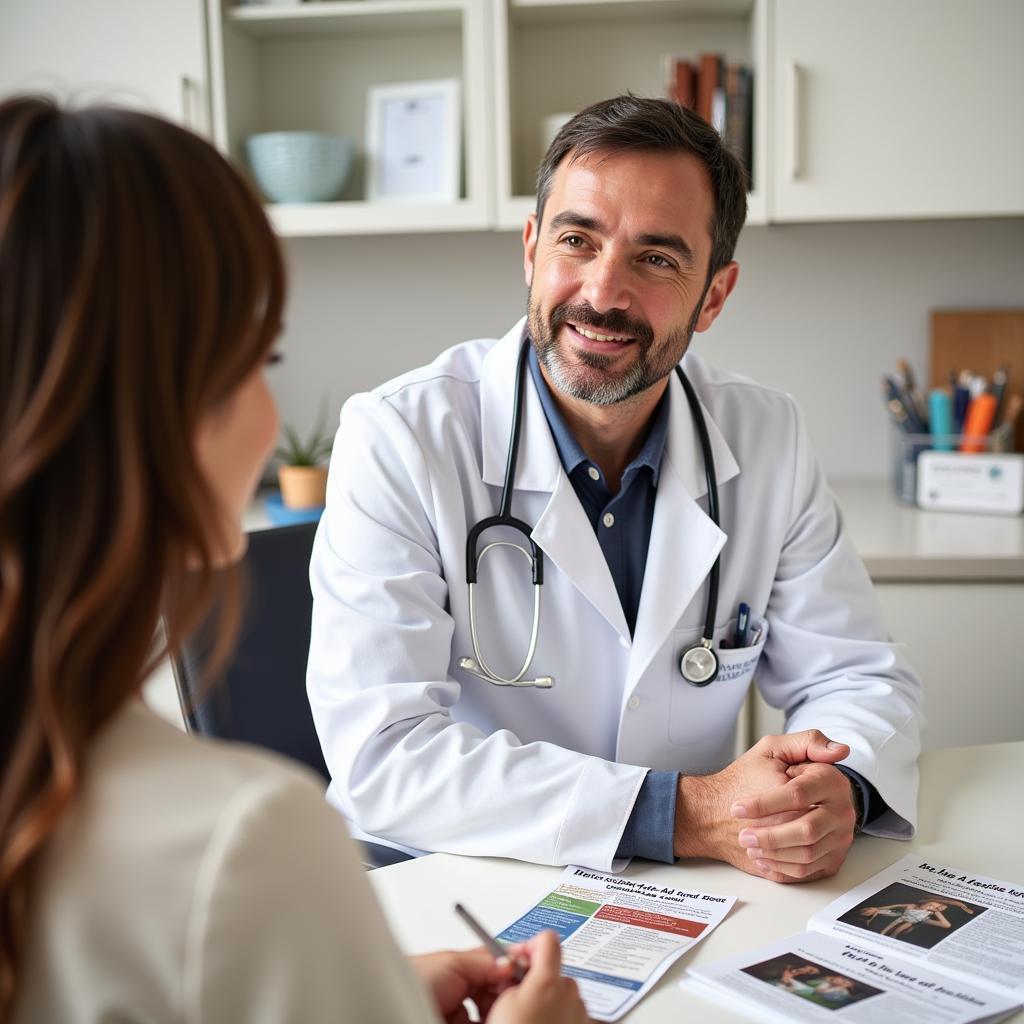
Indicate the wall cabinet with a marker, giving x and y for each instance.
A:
(878, 109)
(897, 109)
(149, 54)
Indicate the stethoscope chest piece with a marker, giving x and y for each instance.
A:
(699, 664)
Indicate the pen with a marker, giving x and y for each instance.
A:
(911, 393)
(998, 389)
(910, 421)
(742, 621)
(495, 947)
(961, 399)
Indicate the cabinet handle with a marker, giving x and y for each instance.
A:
(189, 89)
(793, 84)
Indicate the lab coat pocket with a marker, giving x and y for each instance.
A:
(704, 717)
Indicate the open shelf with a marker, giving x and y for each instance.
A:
(303, 220)
(347, 16)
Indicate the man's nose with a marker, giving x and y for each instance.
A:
(606, 286)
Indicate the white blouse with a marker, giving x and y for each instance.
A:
(206, 882)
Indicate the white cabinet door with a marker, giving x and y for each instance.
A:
(149, 54)
(897, 108)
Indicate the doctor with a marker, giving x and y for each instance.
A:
(624, 743)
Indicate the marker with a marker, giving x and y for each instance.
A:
(495, 947)
(742, 621)
(978, 423)
(941, 409)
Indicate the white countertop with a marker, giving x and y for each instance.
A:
(899, 543)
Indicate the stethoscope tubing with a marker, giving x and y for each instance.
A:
(698, 664)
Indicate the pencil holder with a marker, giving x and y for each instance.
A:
(907, 448)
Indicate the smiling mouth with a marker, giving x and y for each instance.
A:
(599, 336)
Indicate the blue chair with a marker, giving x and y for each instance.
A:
(261, 698)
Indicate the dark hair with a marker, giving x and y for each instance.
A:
(140, 284)
(660, 126)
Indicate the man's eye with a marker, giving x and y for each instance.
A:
(573, 241)
(655, 260)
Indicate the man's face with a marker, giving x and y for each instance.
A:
(618, 272)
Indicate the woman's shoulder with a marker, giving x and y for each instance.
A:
(139, 750)
(182, 853)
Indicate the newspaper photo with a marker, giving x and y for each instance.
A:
(619, 935)
(916, 942)
(965, 925)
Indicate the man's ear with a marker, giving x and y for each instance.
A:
(721, 288)
(529, 247)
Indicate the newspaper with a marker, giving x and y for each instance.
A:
(917, 942)
(619, 935)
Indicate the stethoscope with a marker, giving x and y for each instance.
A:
(698, 663)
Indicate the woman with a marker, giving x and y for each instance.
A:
(144, 875)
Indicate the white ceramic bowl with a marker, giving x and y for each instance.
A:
(300, 167)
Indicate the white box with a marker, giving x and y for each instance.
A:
(975, 482)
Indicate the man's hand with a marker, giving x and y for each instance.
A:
(705, 825)
(814, 842)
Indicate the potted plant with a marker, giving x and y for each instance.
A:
(303, 473)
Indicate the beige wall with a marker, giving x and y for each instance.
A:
(821, 311)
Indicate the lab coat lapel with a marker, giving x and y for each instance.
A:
(684, 540)
(562, 529)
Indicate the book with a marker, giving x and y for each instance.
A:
(711, 90)
(739, 120)
(916, 942)
(682, 82)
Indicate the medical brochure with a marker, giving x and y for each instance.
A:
(619, 935)
(917, 942)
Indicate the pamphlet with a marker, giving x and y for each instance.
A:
(619, 935)
(917, 942)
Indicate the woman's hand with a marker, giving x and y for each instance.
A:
(543, 996)
(453, 976)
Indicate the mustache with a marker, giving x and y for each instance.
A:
(615, 321)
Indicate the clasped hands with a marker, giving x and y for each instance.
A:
(780, 811)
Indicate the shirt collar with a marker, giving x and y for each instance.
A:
(569, 451)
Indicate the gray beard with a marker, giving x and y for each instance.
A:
(603, 388)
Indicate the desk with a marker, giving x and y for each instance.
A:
(970, 809)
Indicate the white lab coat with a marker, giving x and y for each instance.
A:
(427, 756)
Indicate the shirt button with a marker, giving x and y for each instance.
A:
(593, 473)
(609, 519)
(623, 642)
(634, 703)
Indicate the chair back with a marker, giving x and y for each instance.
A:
(262, 696)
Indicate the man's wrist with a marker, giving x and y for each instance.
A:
(693, 817)
(857, 798)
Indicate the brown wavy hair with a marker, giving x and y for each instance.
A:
(140, 283)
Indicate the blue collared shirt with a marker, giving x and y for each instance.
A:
(622, 523)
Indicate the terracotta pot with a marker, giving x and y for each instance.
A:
(303, 486)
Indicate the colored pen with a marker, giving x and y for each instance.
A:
(742, 621)
(495, 947)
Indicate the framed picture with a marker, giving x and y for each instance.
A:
(413, 141)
